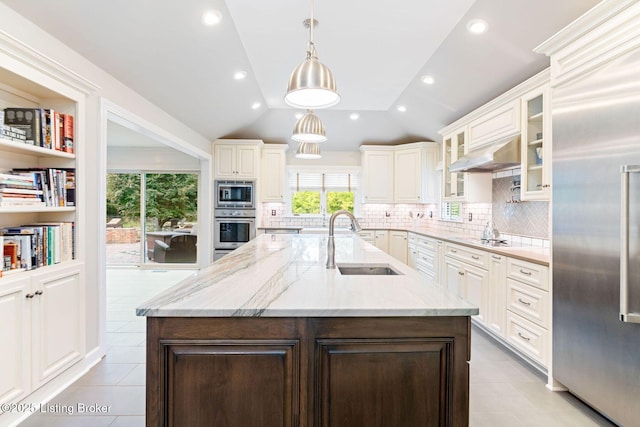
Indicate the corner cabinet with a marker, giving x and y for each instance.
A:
(236, 159)
(536, 145)
(42, 300)
(273, 173)
(462, 186)
(400, 174)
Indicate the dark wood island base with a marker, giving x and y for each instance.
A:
(342, 372)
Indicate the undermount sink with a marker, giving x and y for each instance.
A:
(367, 270)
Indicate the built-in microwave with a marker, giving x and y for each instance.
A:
(234, 194)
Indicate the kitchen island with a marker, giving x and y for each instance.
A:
(267, 336)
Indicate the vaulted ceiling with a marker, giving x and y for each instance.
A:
(378, 52)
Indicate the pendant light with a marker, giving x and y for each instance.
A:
(308, 150)
(309, 128)
(311, 84)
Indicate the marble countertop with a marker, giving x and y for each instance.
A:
(535, 254)
(284, 275)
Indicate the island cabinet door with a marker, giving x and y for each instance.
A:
(391, 383)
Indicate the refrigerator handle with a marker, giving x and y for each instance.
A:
(625, 316)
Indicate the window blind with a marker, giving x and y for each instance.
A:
(317, 181)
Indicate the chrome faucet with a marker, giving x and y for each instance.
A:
(331, 246)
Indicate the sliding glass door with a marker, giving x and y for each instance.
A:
(168, 204)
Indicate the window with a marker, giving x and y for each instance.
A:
(317, 192)
(451, 211)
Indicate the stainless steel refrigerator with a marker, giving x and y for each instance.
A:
(596, 238)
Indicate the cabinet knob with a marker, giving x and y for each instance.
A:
(39, 292)
(461, 273)
(29, 295)
(523, 337)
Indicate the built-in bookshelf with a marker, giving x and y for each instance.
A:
(37, 171)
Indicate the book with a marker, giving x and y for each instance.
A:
(57, 124)
(49, 128)
(67, 133)
(27, 119)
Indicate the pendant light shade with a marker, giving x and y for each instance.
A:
(312, 85)
(309, 128)
(308, 150)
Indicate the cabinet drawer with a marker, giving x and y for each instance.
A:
(412, 238)
(468, 255)
(528, 337)
(529, 302)
(426, 260)
(367, 235)
(528, 272)
(426, 244)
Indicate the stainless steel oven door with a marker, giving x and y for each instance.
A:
(231, 233)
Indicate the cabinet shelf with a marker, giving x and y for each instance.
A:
(536, 117)
(534, 167)
(48, 269)
(7, 145)
(536, 142)
(36, 209)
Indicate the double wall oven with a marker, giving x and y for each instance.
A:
(235, 216)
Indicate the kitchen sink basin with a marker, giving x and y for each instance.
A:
(367, 270)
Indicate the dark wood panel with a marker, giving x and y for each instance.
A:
(249, 357)
(390, 383)
(232, 384)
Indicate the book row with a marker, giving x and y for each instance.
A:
(28, 247)
(42, 127)
(36, 187)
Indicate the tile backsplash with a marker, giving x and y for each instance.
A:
(524, 222)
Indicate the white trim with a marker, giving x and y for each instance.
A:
(46, 65)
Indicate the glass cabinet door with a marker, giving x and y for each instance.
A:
(454, 182)
(535, 145)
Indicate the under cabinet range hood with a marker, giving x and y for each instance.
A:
(500, 154)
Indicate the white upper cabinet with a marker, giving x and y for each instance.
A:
(377, 171)
(273, 173)
(236, 159)
(400, 174)
(499, 123)
(462, 186)
(536, 145)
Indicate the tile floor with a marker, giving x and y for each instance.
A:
(504, 392)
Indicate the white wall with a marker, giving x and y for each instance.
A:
(17, 27)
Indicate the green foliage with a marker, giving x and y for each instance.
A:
(305, 202)
(167, 196)
(308, 202)
(337, 200)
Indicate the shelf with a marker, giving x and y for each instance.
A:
(534, 167)
(536, 117)
(53, 268)
(22, 148)
(536, 142)
(36, 209)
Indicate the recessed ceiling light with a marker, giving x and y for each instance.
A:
(401, 108)
(354, 116)
(255, 105)
(428, 80)
(211, 17)
(299, 116)
(477, 26)
(239, 75)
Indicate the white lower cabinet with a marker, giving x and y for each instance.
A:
(15, 367)
(398, 245)
(378, 238)
(467, 275)
(381, 240)
(45, 312)
(412, 250)
(528, 309)
(497, 303)
(57, 327)
(512, 294)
